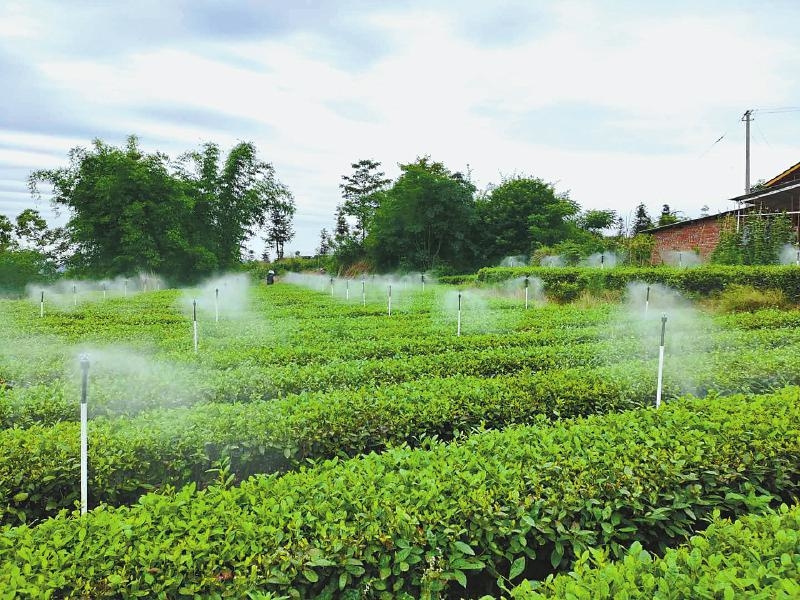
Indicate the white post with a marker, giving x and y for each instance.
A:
(194, 323)
(84, 436)
(527, 282)
(647, 301)
(390, 300)
(216, 305)
(331, 286)
(126, 288)
(458, 331)
(661, 361)
(104, 291)
(347, 292)
(74, 295)
(680, 259)
(798, 258)
(423, 281)
(363, 292)
(41, 305)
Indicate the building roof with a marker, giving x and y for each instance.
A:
(687, 221)
(777, 179)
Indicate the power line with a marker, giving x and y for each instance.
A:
(774, 111)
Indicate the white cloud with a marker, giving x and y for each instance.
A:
(677, 80)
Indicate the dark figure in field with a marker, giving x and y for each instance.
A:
(270, 277)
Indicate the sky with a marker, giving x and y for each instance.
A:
(616, 103)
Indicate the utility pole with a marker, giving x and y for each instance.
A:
(747, 117)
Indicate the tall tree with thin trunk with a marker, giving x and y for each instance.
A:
(360, 193)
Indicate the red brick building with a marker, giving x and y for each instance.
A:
(781, 194)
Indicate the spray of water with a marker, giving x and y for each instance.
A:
(790, 255)
(519, 260)
(554, 260)
(67, 293)
(515, 288)
(607, 260)
(681, 258)
(375, 287)
(228, 295)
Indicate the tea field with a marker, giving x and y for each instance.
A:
(316, 446)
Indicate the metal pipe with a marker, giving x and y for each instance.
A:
(84, 360)
(661, 361)
(194, 323)
(458, 331)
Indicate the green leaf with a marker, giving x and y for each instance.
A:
(310, 575)
(517, 567)
(465, 548)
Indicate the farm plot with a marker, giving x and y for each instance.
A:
(296, 375)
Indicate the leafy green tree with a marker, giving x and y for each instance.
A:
(595, 221)
(521, 214)
(6, 232)
(667, 217)
(31, 229)
(279, 227)
(641, 220)
(729, 248)
(781, 233)
(324, 243)
(425, 220)
(360, 193)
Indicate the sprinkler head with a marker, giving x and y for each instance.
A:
(527, 281)
(84, 361)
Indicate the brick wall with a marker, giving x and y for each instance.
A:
(700, 235)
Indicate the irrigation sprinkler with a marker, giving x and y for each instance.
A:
(363, 291)
(126, 288)
(647, 301)
(194, 323)
(680, 259)
(104, 291)
(41, 305)
(390, 299)
(458, 330)
(527, 283)
(661, 360)
(422, 278)
(347, 289)
(602, 261)
(74, 295)
(797, 261)
(216, 305)
(84, 360)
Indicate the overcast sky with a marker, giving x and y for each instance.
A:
(617, 102)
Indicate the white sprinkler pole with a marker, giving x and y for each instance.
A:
(194, 323)
(347, 290)
(41, 305)
(661, 361)
(84, 436)
(527, 282)
(74, 295)
(126, 288)
(390, 300)
(216, 305)
(798, 258)
(104, 291)
(363, 291)
(647, 301)
(602, 261)
(458, 330)
(423, 281)
(331, 286)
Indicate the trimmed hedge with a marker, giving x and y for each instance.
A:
(500, 505)
(757, 556)
(568, 282)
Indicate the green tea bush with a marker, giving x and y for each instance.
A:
(491, 509)
(746, 298)
(757, 556)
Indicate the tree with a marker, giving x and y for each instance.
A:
(641, 221)
(30, 228)
(324, 243)
(279, 228)
(132, 211)
(6, 233)
(425, 220)
(521, 214)
(360, 193)
(667, 217)
(728, 250)
(597, 220)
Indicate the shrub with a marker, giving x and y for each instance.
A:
(746, 298)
